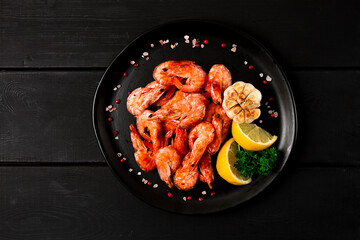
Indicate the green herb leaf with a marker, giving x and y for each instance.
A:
(256, 163)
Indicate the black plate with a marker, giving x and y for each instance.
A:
(248, 62)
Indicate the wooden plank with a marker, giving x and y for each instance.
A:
(91, 33)
(89, 203)
(329, 127)
(46, 116)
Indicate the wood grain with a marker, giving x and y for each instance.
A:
(90, 34)
(89, 203)
(46, 117)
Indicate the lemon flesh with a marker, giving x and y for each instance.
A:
(225, 164)
(252, 137)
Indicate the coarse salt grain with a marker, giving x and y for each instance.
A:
(260, 121)
(233, 49)
(261, 74)
(152, 45)
(186, 37)
(268, 106)
(117, 137)
(139, 173)
(276, 114)
(172, 46)
(268, 78)
(115, 88)
(234, 45)
(245, 62)
(202, 45)
(184, 198)
(155, 185)
(145, 54)
(270, 111)
(194, 42)
(143, 180)
(124, 159)
(130, 169)
(187, 41)
(119, 154)
(203, 192)
(266, 103)
(132, 62)
(146, 181)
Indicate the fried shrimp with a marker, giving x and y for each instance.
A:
(143, 155)
(184, 110)
(167, 161)
(142, 98)
(216, 115)
(218, 80)
(150, 129)
(199, 138)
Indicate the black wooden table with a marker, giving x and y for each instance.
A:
(55, 183)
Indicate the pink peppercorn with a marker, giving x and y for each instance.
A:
(272, 115)
(149, 183)
(136, 65)
(206, 41)
(188, 198)
(122, 160)
(264, 82)
(271, 99)
(223, 45)
(117, 101)
(212, 193)
(201, 199)
(110, 119)
(170, 194)
(251, 67)
(125, 74)
(115, 132)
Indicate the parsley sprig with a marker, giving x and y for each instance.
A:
(255, 163)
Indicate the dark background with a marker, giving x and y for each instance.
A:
(54, 182)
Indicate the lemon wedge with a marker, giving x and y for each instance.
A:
(251, 137)
(225, 164)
